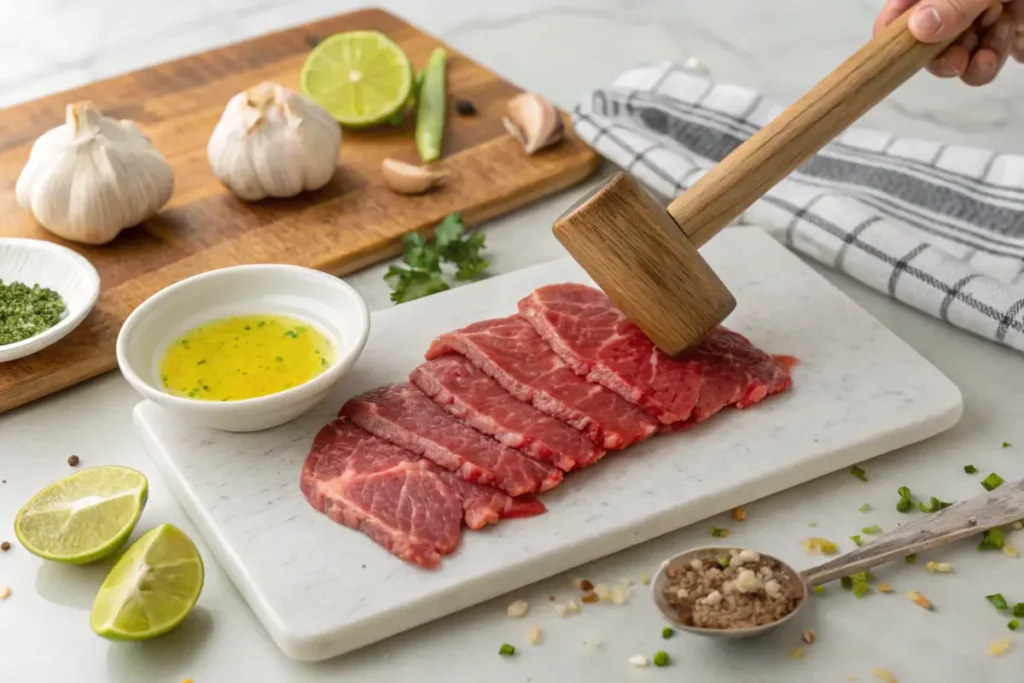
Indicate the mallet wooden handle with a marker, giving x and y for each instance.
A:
(743, 177)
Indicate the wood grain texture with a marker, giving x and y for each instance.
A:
(970, 518)
(778, 149)
(352, 222)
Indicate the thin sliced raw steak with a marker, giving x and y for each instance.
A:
(406, 504)
(407, 417)
(586, 330)
(470, 395)
(510, 351)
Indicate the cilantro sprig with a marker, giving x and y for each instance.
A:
(422, 273)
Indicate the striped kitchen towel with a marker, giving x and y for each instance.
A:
(938, 227)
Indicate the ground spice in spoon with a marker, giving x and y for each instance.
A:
(735, 589)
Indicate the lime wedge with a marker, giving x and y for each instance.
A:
(151, 589)
(83, 517)
(361, 77)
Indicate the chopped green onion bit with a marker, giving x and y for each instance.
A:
(846, 582)
(1013, 625)
(934, 505)
(992, 539)
(660, 658)
(819, 590)
(718, 532)
(723, 561)
(667, 633)
(997, 600)
(859, 473)
(970, 469)
(1018, 609)
(873, 529)
(992, 482)
(906, 500)
(864, 508)
(1006, 444)
(858, 540)
(506, 650)
(910, 559)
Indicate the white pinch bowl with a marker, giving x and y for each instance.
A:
(326, 302)
(37, 262)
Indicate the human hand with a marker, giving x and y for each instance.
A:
(990, 32)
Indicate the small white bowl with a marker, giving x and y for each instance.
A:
(322, 300)
(37, 262)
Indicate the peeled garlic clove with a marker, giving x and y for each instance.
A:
(406, 178)
(533, 121)
(93, 176)
(272, 142)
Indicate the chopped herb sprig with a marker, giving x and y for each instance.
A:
(859, 473)
(992, 482)
(422, 274)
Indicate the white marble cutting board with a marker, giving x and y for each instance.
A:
(321, 589)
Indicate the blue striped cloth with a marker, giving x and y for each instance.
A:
(937, 227)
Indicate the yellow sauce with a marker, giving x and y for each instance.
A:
(244, 357)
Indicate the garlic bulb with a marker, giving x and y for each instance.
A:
(272, 142)
(94, 176)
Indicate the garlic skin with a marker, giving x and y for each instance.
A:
(93, 176)
(272, 142)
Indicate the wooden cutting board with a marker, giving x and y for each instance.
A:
(353, 222)
(321, 589)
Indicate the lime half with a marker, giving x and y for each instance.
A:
(361, 77)
(83, 517)
(151, 589)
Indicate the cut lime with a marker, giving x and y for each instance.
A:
(361, 77)
(151, 589)
(83, 517)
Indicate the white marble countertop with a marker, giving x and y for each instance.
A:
(559, 50)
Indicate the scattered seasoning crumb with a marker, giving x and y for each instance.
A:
(586, 586)
(517, 609)
(572, 607)
(812, 524)
(884, 588)
(739, 514)
(865, 507)
(1009, 551)
(992, 482)
(719, 533)
(818, 590)
(5, 546)
(997, 600)
(560, 609)
(884, 675)
(551, 598)
(73, 460)
(970, 469)
(940, 567)
(910, 559)
(5, 591)
(465, 108)
(991, 539)
(1013, 625)
(807, 636)
(1007, 444)
(873, 529)
(589, 598)
(667, 633)
(1016, 526)
(999, 647)
(603, 592)
(797, 653)
(506, 650)
(919, 599)
(819, 546)
(644, 579)
(858, 541)
(638, 660)
(859, 473)
(618, 596)
(533, 635)
(660, 658)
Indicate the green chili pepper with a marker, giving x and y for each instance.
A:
(432, 107)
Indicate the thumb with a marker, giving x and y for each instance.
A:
(933, 21)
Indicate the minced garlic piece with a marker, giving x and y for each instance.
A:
(884, 675)
(533, 635)
(560, 609)
(618, 596)
(5, 591)
(603, 591)
(1009, 551)
(941, 567)
(999, 647)
(572, 606)
(638, 660)
(517, 609)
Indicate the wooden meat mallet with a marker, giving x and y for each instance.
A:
(645, 258)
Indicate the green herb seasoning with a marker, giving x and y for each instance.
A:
(660, 658)
(970, 469)
(992, 482)
(718, 532)
(859, 473)
(873, 529)
(858, 541)
(421, 274)
(1007, 444)
(1013, 625)
(667, 633)
(933, 505)
(506, 650)
(906, 501)
(818, 590)
(997, 600)
(992, 540)
(723, 561)
(1018, 610)
(910, 559)
(27, 311)
(864, 508)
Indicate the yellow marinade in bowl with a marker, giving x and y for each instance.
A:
(245, 356)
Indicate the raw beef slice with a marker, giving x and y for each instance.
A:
(470, 395)
(585, 329)
(406, 417)
(408, 505)
(511, 352)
